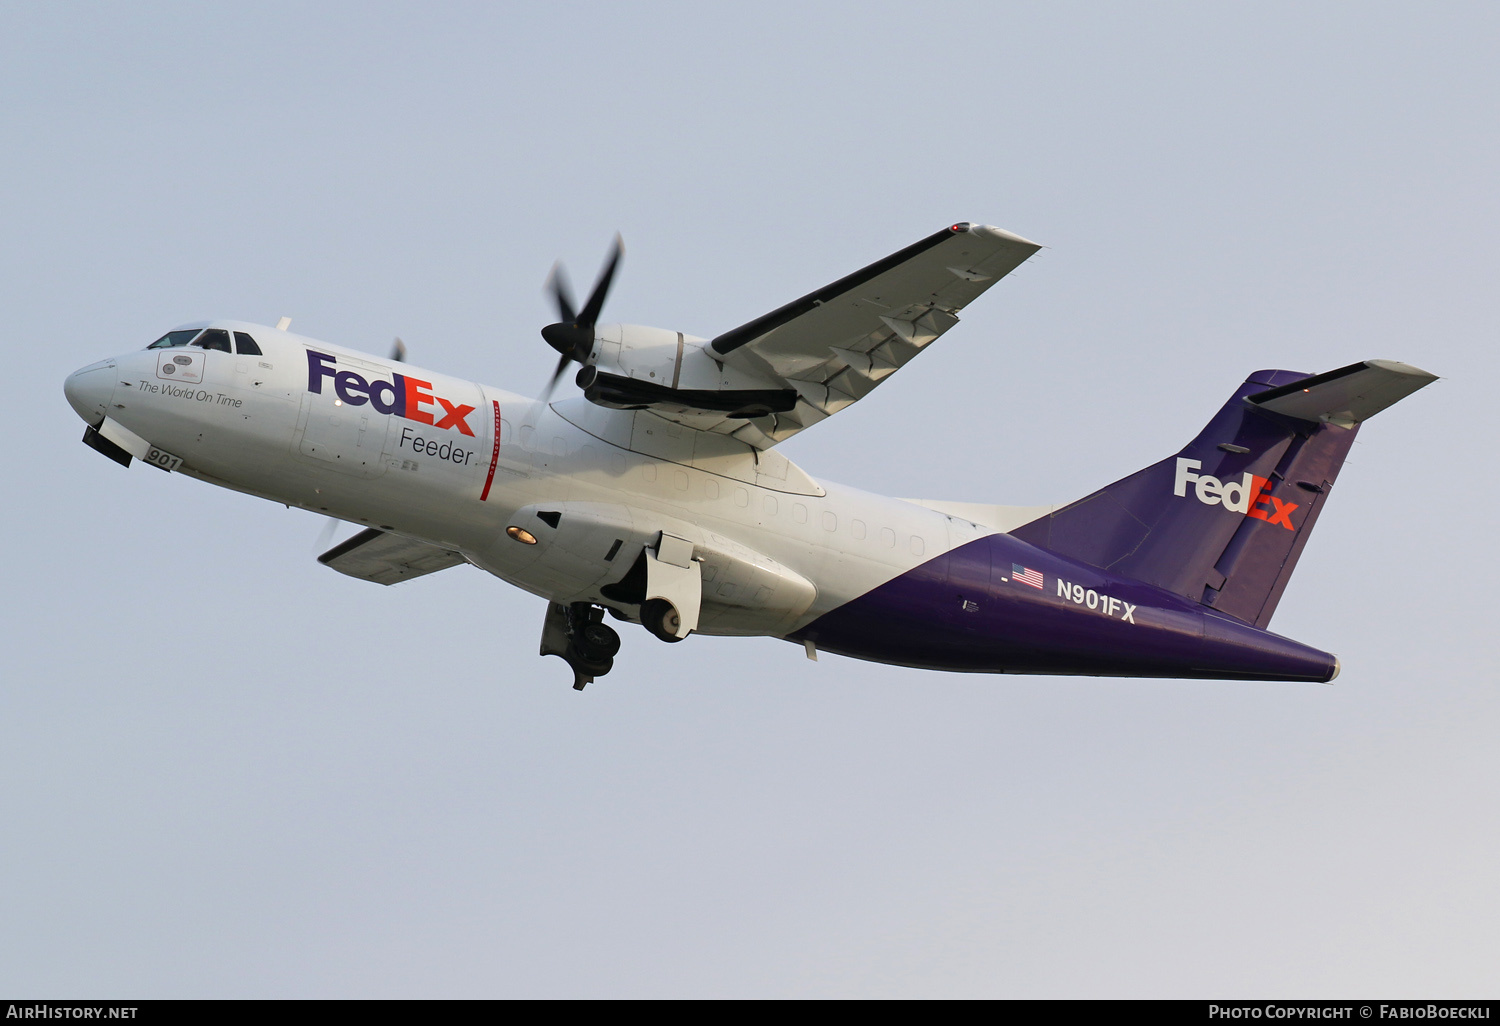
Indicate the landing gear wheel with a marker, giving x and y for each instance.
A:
(575, 632)
(592, 667)
(600, 641)
(661, 618)
(586, 665)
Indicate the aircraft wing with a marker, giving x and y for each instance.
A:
(375, 555)
(833, 346)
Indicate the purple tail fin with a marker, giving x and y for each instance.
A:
(1223, 522)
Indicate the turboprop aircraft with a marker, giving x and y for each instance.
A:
(659, 496)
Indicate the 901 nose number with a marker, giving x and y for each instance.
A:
(162, 459)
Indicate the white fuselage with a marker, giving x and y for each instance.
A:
(454, 463)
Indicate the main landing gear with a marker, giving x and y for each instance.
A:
(578, 634)
(663, 584)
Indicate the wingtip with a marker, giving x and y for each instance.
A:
(1406, 369)
(1001, 233)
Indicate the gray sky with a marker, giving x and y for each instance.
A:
(227, 771)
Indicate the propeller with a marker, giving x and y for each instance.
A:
(572, 335)
(325, 536)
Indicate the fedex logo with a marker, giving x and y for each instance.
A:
(403, 396)
(1250, 496)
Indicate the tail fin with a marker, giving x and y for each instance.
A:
(1224, 521)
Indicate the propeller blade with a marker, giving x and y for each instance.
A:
(589, 315)
(562, 365)
(557, 282)
(325, 536)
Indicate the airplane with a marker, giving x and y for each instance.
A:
(659, 497)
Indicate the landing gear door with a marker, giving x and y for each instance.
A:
(672, 575)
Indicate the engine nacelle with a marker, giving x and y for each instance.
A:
(635, 368)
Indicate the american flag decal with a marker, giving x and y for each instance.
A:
(1026, 575)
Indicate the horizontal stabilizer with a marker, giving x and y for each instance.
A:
(1346, 396)
(374, 555)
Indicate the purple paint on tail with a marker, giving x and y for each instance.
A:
(1224, 521)
(1171, 572)
(964, 611)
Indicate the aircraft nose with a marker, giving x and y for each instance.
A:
(90, 389)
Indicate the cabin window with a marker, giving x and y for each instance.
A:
(917, 545)
(172, 339)
(770, 505)
(799, 512)
(245, 345)
(857, 528)
(888, 537)
(830, 520)
(741, 497)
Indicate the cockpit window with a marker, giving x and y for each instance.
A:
(245, 344)
(214, 338)
(175, 338)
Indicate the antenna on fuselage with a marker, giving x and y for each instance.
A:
(283, 324)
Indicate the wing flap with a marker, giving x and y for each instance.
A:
(385, 558)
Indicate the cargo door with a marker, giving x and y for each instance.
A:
(342, 436)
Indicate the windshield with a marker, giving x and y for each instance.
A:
(207, 338)
(175, 338)
(214, 338)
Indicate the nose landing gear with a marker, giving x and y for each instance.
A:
(576, 632)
